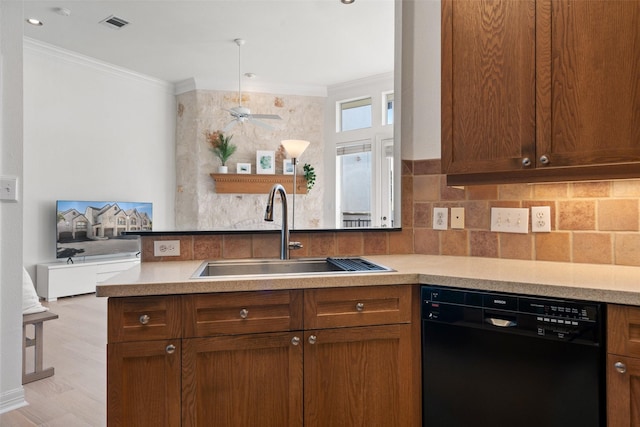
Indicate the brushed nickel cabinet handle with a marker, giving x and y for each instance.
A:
(544, 160)
(170, 348)
(244, 313)
(526, 162)
(312, 339)
(360, 306)
(620, 367)
(144, 319)
(295, 340)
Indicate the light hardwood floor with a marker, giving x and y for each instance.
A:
(75, 345)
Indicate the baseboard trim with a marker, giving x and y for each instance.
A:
(12, 399)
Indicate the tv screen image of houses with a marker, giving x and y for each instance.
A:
(89, 228)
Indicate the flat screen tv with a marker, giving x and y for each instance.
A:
(92, 229)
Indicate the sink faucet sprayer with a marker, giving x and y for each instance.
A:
(268, 216)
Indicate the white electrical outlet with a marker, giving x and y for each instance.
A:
(541, 219)
(166, 248)
(8, 188)
(440, 218)
(510, 220)
(457, 217)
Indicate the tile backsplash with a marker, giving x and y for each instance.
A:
(591, 222)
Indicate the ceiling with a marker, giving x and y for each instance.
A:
(297, 43)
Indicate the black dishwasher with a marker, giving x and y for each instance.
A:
(505, 360)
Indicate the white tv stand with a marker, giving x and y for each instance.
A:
(59, 279)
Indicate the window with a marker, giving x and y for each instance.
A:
(81, 225)
(121, 221)
(388, 109)
(354, 167)
(355, 114)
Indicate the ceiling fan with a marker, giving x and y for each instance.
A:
(242, 114)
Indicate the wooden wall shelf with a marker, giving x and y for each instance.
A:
(256, 184)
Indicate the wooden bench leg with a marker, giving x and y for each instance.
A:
(38, 343)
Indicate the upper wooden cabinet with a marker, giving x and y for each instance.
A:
(540, 90)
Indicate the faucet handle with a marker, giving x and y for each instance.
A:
(295, 245)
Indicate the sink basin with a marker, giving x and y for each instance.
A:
(276, 267)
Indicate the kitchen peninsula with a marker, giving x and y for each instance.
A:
(351, 339)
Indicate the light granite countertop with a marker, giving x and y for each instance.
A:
(603, 283)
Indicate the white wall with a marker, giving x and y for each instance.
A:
(11, 391)
(421, 99)
(92, 132)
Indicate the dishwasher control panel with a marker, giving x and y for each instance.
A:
(565, 320)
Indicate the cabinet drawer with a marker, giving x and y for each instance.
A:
(343, 307)
(623, 336)
(242, 313)
(143, 318)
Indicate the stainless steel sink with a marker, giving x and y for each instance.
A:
(276, 267)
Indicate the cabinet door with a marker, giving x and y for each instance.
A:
(623, 391)
(243, 380)
(488, 85)
(358, 377)
(588, 82)
(143, 383)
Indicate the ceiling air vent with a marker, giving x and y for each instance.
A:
(114, 22)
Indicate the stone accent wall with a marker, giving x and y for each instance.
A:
(198, 206)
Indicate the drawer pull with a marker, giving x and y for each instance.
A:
(620, 367)
(244, 313)
(170, 348)
(295, 340)
(544, 160)
(312, 339)
(526, 162)
(144, 319)
(360, 306)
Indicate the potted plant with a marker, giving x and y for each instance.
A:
(309, 175)
(221, 147)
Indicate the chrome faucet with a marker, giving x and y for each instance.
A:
(268, 216)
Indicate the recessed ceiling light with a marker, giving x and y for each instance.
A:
(249, 75)
(347, 1)
(36, 22)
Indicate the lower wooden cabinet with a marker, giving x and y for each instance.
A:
(143, 383)
(243, 380)
(623, 391)
(623, 366)
(358, 377)
(350, 362)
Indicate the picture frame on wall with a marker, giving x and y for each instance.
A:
(287, 167)
(265, 162)
(243, 168)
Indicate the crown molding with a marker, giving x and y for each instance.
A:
(42, 48)
(197, 83)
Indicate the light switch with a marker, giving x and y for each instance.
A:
(510, 220)
(8, 188)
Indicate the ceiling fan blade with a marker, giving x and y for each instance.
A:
(259, 123)
(230, 125)
(266, 116)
